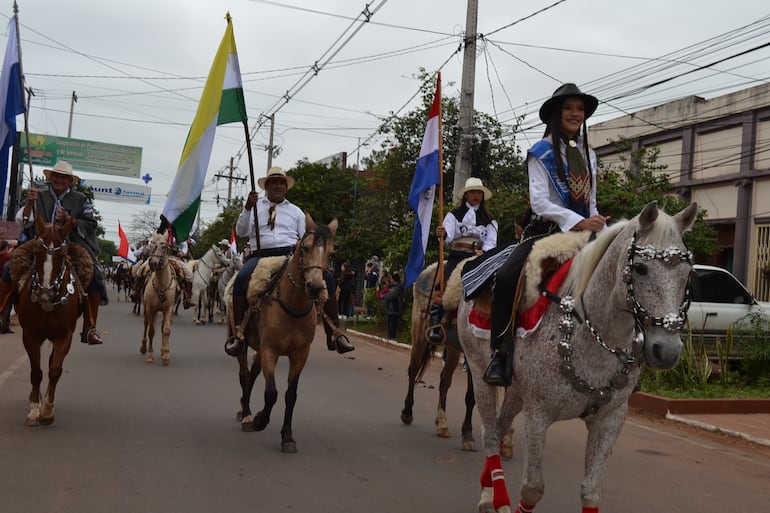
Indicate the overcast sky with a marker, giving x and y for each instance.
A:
(138, 69)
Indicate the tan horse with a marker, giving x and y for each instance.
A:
(160, 292)
(282, 321)
(51, 274)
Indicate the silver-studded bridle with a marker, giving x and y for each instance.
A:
(55, 294)
(671, 322)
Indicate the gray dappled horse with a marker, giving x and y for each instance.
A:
(623, 303)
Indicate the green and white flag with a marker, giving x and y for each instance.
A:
(221, 102)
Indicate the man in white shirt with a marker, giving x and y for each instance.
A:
(281, 225)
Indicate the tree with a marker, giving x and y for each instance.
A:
(143, 225)
(626, 187)
(389, 221)
(107, 250)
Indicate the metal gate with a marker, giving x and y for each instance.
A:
(762, 269)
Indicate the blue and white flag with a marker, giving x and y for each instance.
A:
(426, 176)
(11, 103)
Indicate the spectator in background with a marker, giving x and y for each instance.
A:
(371, 277)
(347, 286)
(393, 298)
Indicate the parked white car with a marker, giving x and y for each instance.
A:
(718, 300)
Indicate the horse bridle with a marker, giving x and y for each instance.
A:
(161, 292)
(302, 269)
(671, 322)
(65, 272)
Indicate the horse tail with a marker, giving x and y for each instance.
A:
(424, 362)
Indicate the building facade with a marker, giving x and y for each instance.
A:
(717, 153)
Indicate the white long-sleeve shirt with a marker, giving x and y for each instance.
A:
(486, 234)
(543, 197)
(289, 224)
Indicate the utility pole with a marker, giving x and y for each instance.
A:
(467, 133)
(72, 109)
(230, 179)
(270, 143)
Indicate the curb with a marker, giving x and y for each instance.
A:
(664, 406)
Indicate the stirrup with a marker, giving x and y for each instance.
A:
(92, 337)
(439, 334)
(235, 346)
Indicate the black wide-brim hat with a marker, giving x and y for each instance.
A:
(567, 91)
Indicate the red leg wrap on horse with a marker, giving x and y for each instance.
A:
(492, 463)
(586, 509)
(492, 476)
(525, 508)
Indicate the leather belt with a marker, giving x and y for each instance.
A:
(465, 246)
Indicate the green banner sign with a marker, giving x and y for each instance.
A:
(88, 156)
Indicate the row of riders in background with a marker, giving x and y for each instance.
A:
(562, 197)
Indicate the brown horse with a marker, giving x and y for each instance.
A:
(160, 292)
(51, 274)
(281, 321)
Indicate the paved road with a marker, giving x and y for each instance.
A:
(136, 438)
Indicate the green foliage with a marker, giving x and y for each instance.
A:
(327, 192)
(107, 250)
(752, 341)
(389, 221)
(220, 229)
(624, 189)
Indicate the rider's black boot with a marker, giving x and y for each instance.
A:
(436, 331)
(340, 342)
(90, 335)
(235, 346)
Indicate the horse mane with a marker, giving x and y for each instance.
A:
(588, 258)
(661, 232)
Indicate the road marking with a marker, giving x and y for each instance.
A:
(10, 370)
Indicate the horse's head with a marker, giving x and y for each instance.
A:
(314, 250)
(50, 269)
(158, 250)
(657, 277)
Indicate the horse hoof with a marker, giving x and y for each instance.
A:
(469, 445)
(149, 359)
(260, 422)
(45, 421)
(443, 433)
(289, 447)
(506, 452)
(32, 422)
(165, 361)
(407, 419)
(247, 427)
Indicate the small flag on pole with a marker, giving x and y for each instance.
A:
(124, 250)
(233, 243)
(426, 176)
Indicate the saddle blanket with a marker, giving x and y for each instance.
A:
(529, 320)
(481, 323)
(473, 279)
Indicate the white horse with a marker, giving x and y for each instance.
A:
(203, 270)
(234, 265)
(623, 302)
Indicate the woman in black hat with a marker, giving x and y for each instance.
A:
(562, 196)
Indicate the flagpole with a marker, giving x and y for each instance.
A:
(258, 249)
(440, 186)
(21, 80)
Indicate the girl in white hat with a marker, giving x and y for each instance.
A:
(471, 230)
